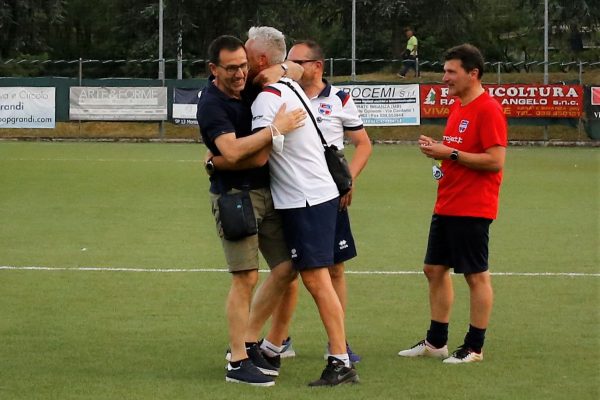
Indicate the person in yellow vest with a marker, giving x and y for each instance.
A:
(409, 57)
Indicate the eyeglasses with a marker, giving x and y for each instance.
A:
(300, 62)
(232, 69)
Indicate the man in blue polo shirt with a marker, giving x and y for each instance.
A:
(225, 124)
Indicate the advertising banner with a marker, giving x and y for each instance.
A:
(592, 112)
(118, 103)
(386, 105)
(27, 107)
(592, 105)
(517, 100)
(185, 105)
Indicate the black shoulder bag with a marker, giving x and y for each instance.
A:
(336, 162)
(236, 214)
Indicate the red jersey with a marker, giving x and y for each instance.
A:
(473, 128)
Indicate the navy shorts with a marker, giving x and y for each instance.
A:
(310, 234)
(460, 243)
(345, 249)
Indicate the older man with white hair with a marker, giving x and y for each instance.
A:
(306, 196)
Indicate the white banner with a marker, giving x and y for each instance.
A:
(118, 103)
(386, 105)
(27, 107)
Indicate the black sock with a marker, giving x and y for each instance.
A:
(475, 338)
(235, 364)
(437, 335)
(250, 344)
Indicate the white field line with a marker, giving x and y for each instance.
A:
(176, 270)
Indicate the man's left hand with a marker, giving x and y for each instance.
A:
(436, 150)
(346, 200)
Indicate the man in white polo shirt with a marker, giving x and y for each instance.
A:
(305, 194)
(337, 116)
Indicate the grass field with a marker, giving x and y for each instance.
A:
(148, 323)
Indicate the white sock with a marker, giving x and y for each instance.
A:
(270, 349)
(343, 357)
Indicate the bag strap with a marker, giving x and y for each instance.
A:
(312, 117)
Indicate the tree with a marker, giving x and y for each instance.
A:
(25, 25)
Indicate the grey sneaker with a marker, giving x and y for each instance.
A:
(288, 350)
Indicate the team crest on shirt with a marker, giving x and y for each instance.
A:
(464, 124)
(325, 108)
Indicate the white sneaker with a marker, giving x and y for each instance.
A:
(464, 355)
(424, 349)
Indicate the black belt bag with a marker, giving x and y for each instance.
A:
(237, 215)
(338, 168)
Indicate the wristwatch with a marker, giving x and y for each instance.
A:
(454, 155)
(285, 70)
(209, 166)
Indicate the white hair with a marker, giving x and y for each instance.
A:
(270, 41)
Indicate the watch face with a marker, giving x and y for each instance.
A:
(210, 167)
(454, 155)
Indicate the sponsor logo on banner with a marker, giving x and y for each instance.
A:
(430, 98)
(118, 103)
(517, 100)
(27, 107)
(386, 105)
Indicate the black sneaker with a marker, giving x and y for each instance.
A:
(261, 363)
(275, 361)
(247, 373)
(336, 373)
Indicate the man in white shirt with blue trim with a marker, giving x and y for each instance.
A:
(307, 197)
(337, 116)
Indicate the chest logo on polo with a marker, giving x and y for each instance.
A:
(325, 108)
(464, 124)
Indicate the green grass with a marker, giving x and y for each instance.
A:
(73, 334)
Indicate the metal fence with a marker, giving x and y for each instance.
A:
(193, 68)
(63, 74)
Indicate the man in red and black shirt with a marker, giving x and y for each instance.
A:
(472, 153)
